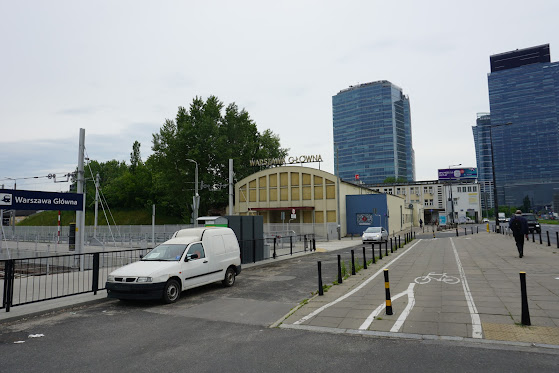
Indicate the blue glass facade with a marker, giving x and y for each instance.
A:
(372, 133)
(524, 104)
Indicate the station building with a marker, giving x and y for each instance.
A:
(304, 195)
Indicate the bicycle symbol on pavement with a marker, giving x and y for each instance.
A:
(437, 277)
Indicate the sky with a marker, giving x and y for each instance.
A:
(119, 69)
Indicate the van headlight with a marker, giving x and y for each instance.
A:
(110, 278)
(144, 279)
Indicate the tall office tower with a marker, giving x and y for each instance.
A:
(372, 133)
(524, 126)
(483, 158)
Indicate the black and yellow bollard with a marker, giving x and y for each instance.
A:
(387, 289)
(525, 318)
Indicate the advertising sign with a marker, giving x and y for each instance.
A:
(442, 219)
(364, 219)
(457, 173)
(33, 200)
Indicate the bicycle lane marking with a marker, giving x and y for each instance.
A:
(398, 324)
(476, 321)
(319, 310)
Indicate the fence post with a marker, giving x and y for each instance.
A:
(291, 245)
(525, 318)
(387, 290)
(9, 273)
(340, 279)
(320, 289)
(352, 262)
(95, 281)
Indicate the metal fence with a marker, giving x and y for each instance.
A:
(274, 246)
(31, 280)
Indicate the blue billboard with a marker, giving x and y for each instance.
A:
(457, 173)
(33, 200)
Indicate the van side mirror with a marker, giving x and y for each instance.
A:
(191, 256)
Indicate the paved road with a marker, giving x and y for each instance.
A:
(213, 328)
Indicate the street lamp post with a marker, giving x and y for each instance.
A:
(196, 197)
(495, 200)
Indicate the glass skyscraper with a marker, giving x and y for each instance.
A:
(524, 126)
(372, 133)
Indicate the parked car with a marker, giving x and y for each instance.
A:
(485, 220)
(192, 257)
(374, 234)
(533, 224)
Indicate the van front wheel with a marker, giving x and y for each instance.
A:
(229, 277)
(172, 291)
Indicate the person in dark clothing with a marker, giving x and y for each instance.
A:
(519, 226)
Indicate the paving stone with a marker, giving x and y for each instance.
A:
(420, 327)
(453, 329)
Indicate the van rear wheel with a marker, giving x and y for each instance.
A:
(172, 291)
(229, 277)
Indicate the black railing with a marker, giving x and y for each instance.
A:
(32, 280)
(275, 246)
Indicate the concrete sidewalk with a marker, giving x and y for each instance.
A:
(460, 288)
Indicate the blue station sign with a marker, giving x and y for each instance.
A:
(33, 200)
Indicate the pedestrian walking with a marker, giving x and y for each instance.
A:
(519, 226)
(420, 223)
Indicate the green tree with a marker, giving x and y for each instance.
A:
(209, 135)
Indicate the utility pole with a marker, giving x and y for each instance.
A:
(230, 186)
(96, 205)
(80, 215)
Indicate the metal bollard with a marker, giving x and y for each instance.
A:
(387, 290)
(385, 248)
(540, 233)
(477, 230)
(373, 252)
(465, 231)
(274, 247)
(399, 241)
(340, 279)
(548, 241)
(314, 244)
(557, 239)
(391, 250)
(379, 252)
(364, 259)
(456, 232)
(525, 319)
(320, 289)
(533, 237)
(352, 263)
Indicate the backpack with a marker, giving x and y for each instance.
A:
(516, 226)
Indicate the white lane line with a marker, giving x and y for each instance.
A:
(377, 311)
(476, 321)
(411, 302)
(319, 310)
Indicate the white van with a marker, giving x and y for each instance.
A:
(192, 257)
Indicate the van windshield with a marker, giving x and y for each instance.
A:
(165, 252)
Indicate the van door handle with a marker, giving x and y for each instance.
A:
(205, 261)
